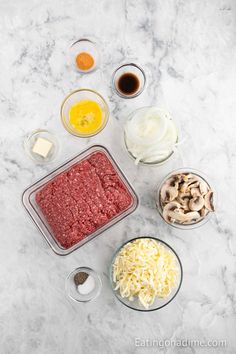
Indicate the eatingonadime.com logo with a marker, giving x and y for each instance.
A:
(184, 343)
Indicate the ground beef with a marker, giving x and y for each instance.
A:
(80, 200)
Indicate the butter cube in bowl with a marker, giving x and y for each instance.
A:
(41, 146)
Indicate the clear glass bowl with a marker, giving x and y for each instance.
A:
(154, 163)
(159, 302)
(133, 69)
(197, 223)
(31, 140)
(72, 99)
(72, 289)
(29, 202)
(86, 46)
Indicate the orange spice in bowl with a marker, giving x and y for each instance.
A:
(84, 55)
(84, 61)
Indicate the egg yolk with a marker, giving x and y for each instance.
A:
(86, 116)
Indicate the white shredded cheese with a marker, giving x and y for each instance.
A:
(146, 269)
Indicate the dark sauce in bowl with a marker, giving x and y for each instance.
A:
(128, 84)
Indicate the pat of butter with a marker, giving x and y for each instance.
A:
(42, 147)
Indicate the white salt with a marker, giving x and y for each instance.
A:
(87, 287)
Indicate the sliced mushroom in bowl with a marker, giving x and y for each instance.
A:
(185, 199)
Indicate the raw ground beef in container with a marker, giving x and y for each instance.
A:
(80, 200)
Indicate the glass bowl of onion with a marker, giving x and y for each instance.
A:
(145, 274)
(150, 136)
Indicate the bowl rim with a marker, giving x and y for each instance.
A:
(105, 120)
(83, 40)
(201, 175)
(139, 90)
(111, 272)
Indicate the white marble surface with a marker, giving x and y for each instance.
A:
(188, 50)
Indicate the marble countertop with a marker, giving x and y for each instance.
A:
(188, 51)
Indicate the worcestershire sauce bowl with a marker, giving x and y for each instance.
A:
(128, 80)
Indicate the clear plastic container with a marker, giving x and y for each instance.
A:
(29, 202)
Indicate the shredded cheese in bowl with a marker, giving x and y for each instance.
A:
(145, 268)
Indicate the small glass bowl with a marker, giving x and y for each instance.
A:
(154, 163)
(159, 302)
(86, 46)
(199, 223)
(31, 140)
(73, 98)
(133, 69)
(71, 287)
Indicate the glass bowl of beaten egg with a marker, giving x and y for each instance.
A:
(84, 113)
(145, 274)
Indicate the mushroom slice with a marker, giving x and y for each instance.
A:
(170, 207)
(192, 216)
(195, 192)
(196, 203)
(180, 177)
(177, 215)
(173, 181)
(184, 187)
(184, 195)
(192, 178)
(163, 191)
(183, 199)
(184, 202)
(208, 201)
(193, 184)
(203, 212)
(203, 187)
(168, 193)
